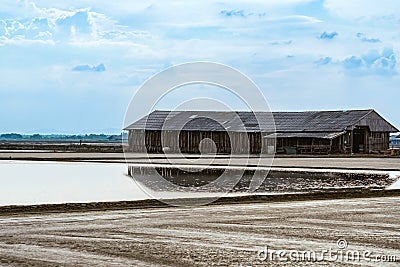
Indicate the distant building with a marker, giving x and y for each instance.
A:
(395, 141)
(311, 132)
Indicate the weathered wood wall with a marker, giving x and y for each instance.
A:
(305, 145)
(189, 141)
(378, 141)
(376, 123)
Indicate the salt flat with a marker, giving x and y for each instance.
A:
(220, 235)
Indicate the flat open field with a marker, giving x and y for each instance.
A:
(219, 235)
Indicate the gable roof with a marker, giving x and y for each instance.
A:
(239, 121)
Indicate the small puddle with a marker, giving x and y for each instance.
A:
(396, 177)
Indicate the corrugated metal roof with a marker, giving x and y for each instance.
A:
(286, 122)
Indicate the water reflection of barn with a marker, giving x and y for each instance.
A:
(357, 131)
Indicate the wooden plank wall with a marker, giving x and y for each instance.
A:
(237, 143)
(188, 141)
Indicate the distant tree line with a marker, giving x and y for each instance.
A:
(11, 136)
(59, 137)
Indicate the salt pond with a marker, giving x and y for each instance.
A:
(41, 182)
(32, 182)
(44, 182)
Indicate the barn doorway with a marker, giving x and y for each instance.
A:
(359, 145)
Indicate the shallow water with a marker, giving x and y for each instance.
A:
(33, 182)
(41, 182)
(28, 182)
(396, 185)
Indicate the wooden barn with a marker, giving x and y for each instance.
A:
(310, 132)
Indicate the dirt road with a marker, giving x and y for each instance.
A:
(220, 235)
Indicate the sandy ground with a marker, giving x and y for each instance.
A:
(371, 163)
(219, 235)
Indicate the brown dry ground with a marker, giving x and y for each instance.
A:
(224, 234)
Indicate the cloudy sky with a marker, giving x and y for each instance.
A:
(73, 66)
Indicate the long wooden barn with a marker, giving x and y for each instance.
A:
(310, 132)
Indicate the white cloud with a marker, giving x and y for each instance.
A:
(276, 42)
(71, 26)
(3, 27)
(296, 19)
(88, 68)
(354, 9)
(372, 62)
(364, 38)
(123, 7)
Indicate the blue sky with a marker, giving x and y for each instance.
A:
(73, 66)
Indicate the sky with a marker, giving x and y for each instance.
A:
(73, 66)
